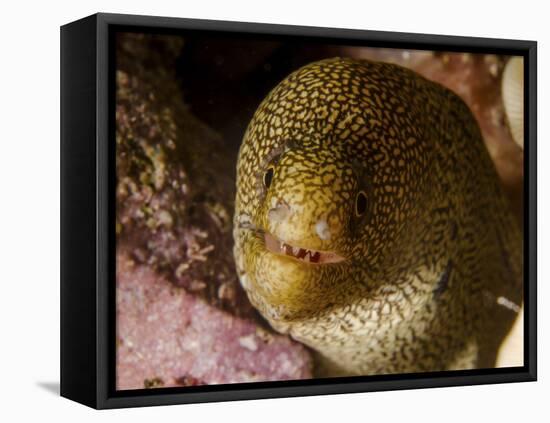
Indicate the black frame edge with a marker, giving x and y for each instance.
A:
(347, 387)
(78, 212)
(530, 187)
(105, 213)
(421, 40)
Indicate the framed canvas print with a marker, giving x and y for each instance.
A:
(256, 211)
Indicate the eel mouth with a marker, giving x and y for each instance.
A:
(302, 254)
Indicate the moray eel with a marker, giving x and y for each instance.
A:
(370, 224)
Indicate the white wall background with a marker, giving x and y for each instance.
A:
(29, 209)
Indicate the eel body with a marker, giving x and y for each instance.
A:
(370, 223)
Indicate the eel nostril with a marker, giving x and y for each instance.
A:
(322, 229)
(279, 213)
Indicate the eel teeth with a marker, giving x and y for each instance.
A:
(303, 254)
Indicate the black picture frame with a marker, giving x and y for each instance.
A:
(87, 216)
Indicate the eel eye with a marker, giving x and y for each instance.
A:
(360, 203)
(268, 177)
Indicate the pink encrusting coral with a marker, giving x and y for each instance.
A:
(168, 337)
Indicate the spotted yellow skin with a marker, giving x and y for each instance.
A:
(425, 264)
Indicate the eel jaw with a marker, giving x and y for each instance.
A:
(305, 255)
